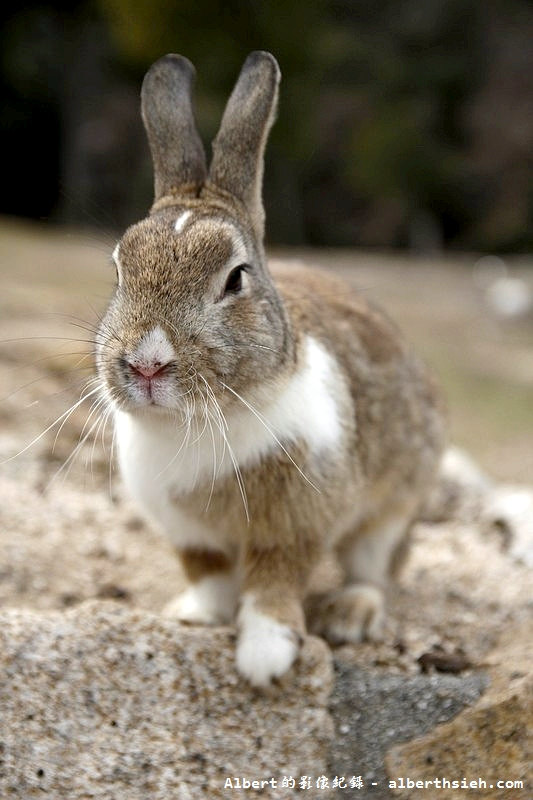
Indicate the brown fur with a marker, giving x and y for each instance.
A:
(198, 562)
(392, 421)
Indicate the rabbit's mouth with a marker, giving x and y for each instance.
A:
(152, 384)
(151, 387)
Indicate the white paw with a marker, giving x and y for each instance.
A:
(209, 602)
(353, 614)
(266, 648)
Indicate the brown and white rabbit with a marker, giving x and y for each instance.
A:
(265, 419)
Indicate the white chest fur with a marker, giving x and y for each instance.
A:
(160, 459)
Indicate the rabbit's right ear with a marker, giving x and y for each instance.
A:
(177, 151)
(239, 147)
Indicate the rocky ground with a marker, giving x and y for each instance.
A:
(101, 697)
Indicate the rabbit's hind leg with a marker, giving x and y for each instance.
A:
(369, 556)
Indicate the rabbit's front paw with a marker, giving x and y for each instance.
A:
(266, 648)
(354, 613)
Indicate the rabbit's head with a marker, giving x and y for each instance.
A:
(195, 306)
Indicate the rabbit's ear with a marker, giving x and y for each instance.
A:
(177, 150)
(238, 149)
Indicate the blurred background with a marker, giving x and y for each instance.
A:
(403, 123)
(401, 158)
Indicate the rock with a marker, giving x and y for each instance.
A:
(491, 741)
(373, 709)
(509, 509)
(104, 702)
(71, 544)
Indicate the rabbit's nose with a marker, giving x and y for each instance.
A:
(147, 369)
(151, 355)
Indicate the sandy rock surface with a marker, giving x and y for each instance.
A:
(496, 733)
(105, 702)
(83, 580)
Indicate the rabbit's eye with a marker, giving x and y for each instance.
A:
(234, 281)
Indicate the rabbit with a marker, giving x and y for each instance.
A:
(267, 419)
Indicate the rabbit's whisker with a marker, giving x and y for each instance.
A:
(61, 417)
(104, 324)
(42, 378)
(220, 422)
(186, 425)
(248, 344)
(46, 338)
(216, 419)
(99, 432)
(111, 455)
(238, 475)
(78, 322)
(88, 328)
(96, 408)
(223, 428)
(215, 465)
(98, 401)
(199, 435)
(50, 357)
(67, 464)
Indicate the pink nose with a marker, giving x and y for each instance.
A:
(148, 370)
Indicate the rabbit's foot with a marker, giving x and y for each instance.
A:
(266, 648)
(351, 614)
(210, 601)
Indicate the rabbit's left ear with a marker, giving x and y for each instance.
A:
(239, 147)
(166, 107)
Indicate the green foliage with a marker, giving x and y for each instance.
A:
(389, 111)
